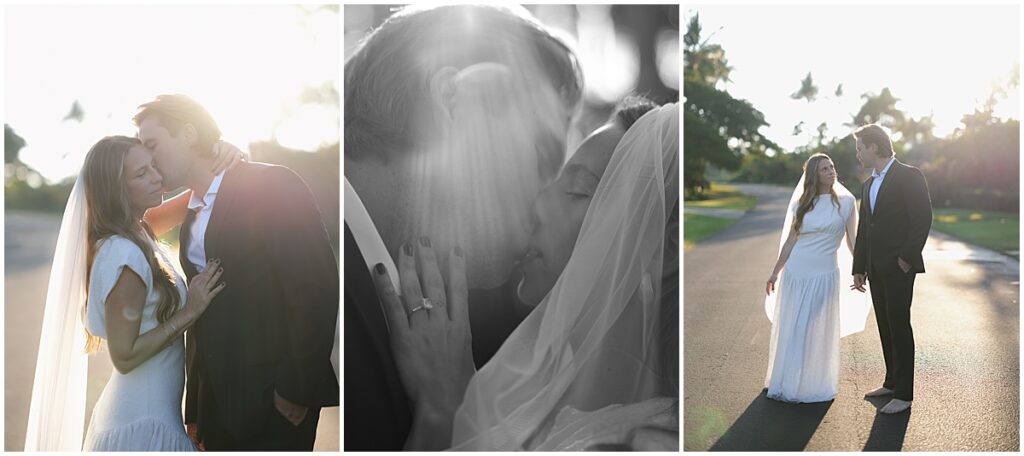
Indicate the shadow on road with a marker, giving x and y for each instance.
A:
(887, 431)
(773, 426)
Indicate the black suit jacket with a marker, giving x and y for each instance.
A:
(900, 223)
(273, 325)
(377, 411)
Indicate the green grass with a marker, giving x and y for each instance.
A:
(724, 197)
(700, 227)
(994, 230)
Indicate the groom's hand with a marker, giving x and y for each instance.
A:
(903, 265)
(858, 282)
(292, 412)
(192, 429)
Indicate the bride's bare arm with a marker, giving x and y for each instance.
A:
(851, 229)
(787, 248)
(124, 307)
(168, 215)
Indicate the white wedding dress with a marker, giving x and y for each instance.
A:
(139, 410)
(803, 360)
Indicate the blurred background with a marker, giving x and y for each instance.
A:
(623, 49)
(269, 75)
(762, 96)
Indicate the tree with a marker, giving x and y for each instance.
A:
(719, 129)
(808, 91)
(880, 109)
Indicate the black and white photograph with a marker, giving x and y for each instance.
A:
(511, 212)
(171, 242)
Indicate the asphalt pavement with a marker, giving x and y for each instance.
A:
(965, 316)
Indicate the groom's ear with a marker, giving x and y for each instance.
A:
(189, 134)
(443, 89)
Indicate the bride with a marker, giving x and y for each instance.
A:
(595, 364)
(110, 273)
(809, 313)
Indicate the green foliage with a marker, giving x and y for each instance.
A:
(720, 130)
(808, 91)
(996, 230)
(12, 145)
(700, 227)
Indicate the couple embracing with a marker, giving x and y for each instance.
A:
(252, 331)
(881, 243)
(494, 298)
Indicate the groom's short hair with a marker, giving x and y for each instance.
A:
(874, 134)
(388, 74)
(175, 111)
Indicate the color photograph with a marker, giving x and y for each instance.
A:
(851, 227)
(171, 228)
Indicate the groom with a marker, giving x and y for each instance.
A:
(895, 216)
(258, 366)
(455, 117)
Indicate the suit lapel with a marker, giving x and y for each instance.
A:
(222, 206)
(184, 237)
(889, 176)
(866, 194)
(359, 285)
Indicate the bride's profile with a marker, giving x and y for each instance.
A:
(808, 307)
(595, 364)
(113, 281)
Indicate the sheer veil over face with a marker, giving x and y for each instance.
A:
(593, 341)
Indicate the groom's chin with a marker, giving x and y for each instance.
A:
(488, 277)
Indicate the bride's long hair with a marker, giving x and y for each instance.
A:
(810, 195)
(110, 213)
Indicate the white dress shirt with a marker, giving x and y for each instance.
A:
(197, 232)
(877, 182)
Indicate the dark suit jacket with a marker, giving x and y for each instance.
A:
(378, 414)
(900, 223)
(273, 325)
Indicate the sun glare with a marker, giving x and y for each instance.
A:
(247, 64)
(944, 66)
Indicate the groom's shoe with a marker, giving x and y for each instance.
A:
(895, 406)
(883, 391)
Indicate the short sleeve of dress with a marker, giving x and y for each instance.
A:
(113, 255)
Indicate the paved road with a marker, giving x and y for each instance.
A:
(965, 317)
(28, 246)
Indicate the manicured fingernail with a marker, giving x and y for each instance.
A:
(458, 251)
(424, 241)
(407, 248)
(380, 268)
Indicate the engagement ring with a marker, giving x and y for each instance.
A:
(427, 304)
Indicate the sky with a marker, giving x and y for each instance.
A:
(246, 64)
(939, 60)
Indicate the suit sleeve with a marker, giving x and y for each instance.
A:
(919, 218)
(860, 247)
(305, 266)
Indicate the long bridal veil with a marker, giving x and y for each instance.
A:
(854, 306)
(56, 416)
(598, 338)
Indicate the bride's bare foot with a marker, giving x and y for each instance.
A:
(895, 406)
(883, 391)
